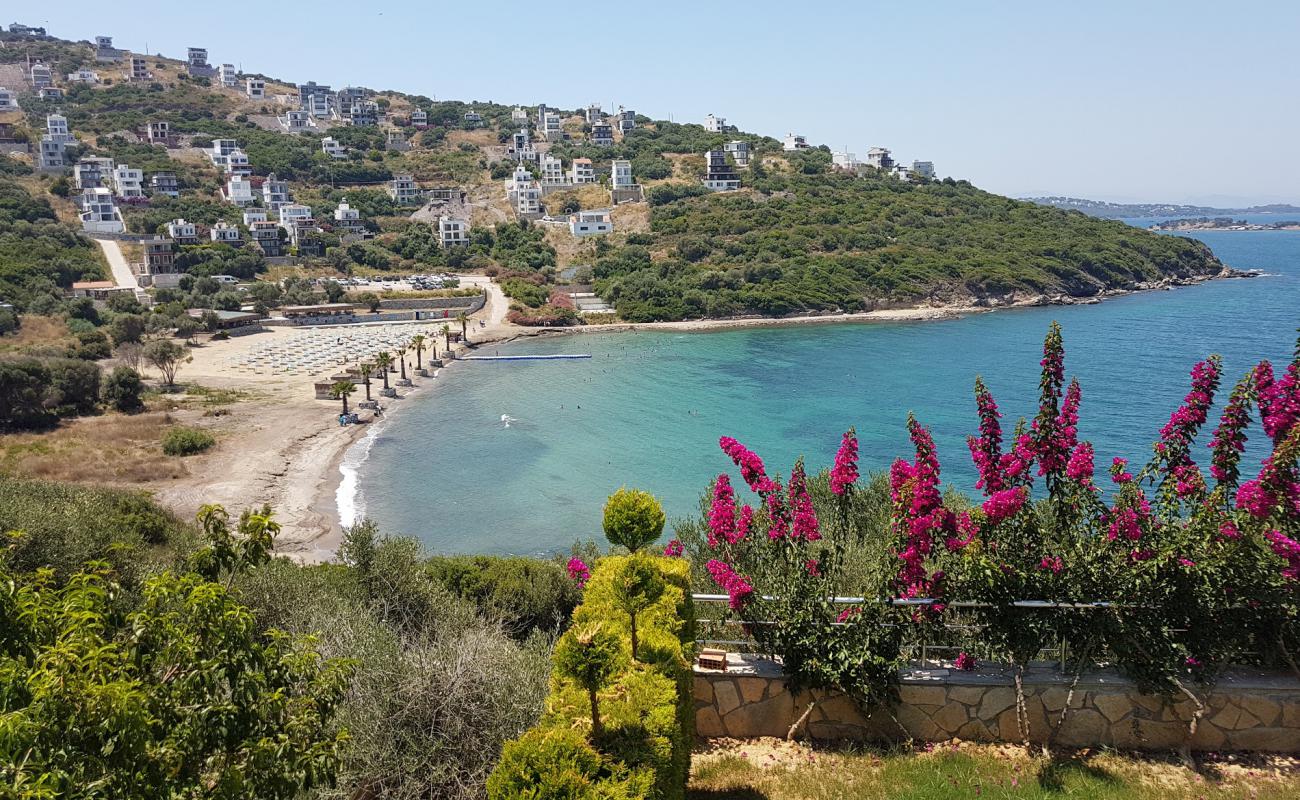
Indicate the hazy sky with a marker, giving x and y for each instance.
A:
(1127, 101)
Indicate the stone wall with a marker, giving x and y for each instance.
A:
(1247, 711)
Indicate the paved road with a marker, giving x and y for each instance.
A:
(122, 274)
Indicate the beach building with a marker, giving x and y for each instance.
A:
(602, 134)
(183, 232)
(524, 193)
(297, 122)
(420, 118)
(794, 141)
(402, 188)
(138, 70)
(83, 76)
(98, 212)
(714, 124)
(332, 148)
(224, 233)
(453, 231)
(40, 75)
(252, 215)
(583, 171)
(91, 171)
(255, 88)
(923, 168)
(239, 191)
(590, 223)
(275, 192)
(128, 183)
(228, 320)
(719, 175)
(879, 158)
(197, 65)
(739, 152)
(8, 100)
(267, 237)
(228, 75)
(553, 171)
(165, 184)
(626, 120)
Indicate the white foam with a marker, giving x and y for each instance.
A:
(349, 498)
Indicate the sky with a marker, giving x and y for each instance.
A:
(1137, 101)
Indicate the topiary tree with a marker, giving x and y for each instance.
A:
(590, 657)
(633, 519)
(121, 390)
(637, 586)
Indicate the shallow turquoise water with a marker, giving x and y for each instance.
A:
(648, 408)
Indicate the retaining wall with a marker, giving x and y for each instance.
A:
(1247, 711)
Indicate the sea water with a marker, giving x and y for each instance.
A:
(518, 457)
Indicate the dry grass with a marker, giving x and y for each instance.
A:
(109, 449)
(37, 332)
(773, 769)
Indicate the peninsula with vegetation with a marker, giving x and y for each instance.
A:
(1101, 208)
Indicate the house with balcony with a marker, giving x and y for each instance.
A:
(128, 183)
(626, 120)
(159, 261)
(473, 119)
(239, 191)
(879, 158)
(403, 190)
(266, 237)
(590, 223)
(518, 115)
(237, 163)
(196, 63)
(183, 232)
(19, 29)
(332, 148)
(8, 100)
(523, 193)
(90, 172)
(714, 124)
(40, 75)
(420, 118)
(552, 128)
(255, 88)
(845, 160)
(105, 52)
(99, 213)
(364, 113)
(50, 156)
(521, 146)
(252, 215)
(225, 233)
(739, 151)
(138, 70)
(348, 222)
(83, 76)
(902, 172)
(453, 231)
(297, 221)
(50, 93)
(56, 127)
(923, 168)
(297, 122)
(583, 171)
(275, 193)
(553, 172)
(314, 98)
(719, 175)
(228, 75)
(602, 134)
(165, 184)
(794, 141)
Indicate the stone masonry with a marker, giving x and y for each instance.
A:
(1247, 711)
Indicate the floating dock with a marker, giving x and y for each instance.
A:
(557, 357)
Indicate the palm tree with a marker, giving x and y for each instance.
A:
(417, 344)
(385, 362)
(402, 350)
(341, 390)
(446, 336)
(366, 369)
(464, 326)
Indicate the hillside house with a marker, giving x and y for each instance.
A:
(275, 193)
(402, 189)
(524, 193)
(521, 146)
(255, 88)
(473, 119)
(252, 215)
(593, 114)
(105, 52)
(739, 152)
(128, 183)
(552, 129)
(364, 113)
(445, 194)
(165, 184)
(347, 220)
(332, 148)
(158, 132)
(396, 141)
(138, 70)
(620, 174)
(714, 124)
(297, 222)
(420, 118)
(40, 75)
(453, 231)
(8, 100)
(845, 160)
(345, 97)
(183, 232)
(91, 171)
(239, 191)
(602, 134)
(923, 168)
(583, 171)
(159, 257)
(590, 223)
(794, 141)
(19, 29)
(879, 158)
(83, 76)
(266, 237)
(902, 172)
(314, 98)
(626, 120)
(56, 127)
(95, 290)
(237, 163)
(228, 75)
(196, 63)
(518, 115)
(297, 121)
(98, 212)
(553, 171)
(224, 233)
(719, 175)
(50, 93)
(50, 154)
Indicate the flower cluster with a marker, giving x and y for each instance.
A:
(1126, 521)
(1052, 564)
(674, 548)
(1119, 471)
(579, 571)
(722, 514)
(751, 466)
(1055, 427)
(737, 586)
(1230, 437)
(919, 512)
(845, 471)
(1005, 504)
(1175, 445)
(964, 661)
(1288, 549)
(1279, 400)
(804, 526)
(1080, 467)
(986, 449)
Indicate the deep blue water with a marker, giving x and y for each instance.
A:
(648, 408)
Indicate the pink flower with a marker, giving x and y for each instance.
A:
(1230, 437)
(919, 514)
(814, 568)
(1289, 550)
(1176, 437)
(1080, 466)
(847, 613)
(964, 662)
(722, 514)
(751, 466)
(1279, 400)
(986, 449)
(805, 526)
(674, 548)
(1229, 531)
(737, 586)
(1141, 555)
(845, 471)
(778, 517)
(1186, 562)
(1119, 471)
(1192, 662)
(1255, 500)
(579, 571)
(1052, 564)
(1005, 504)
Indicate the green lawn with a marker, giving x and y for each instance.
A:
(775, 770)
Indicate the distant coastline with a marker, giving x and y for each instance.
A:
(1105, 210)
(1225, 224)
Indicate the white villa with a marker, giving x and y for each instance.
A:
(583, 171)
(165, 183)
(224, 232)
(229, 76)
(90, 171)
(237, 163)
(403, 189)
(83, 76)
(453, 231)
(879, 158)
(275, 192)
(252, 215)
(239, 190)
(714, 124)
(739, 152)
(553, 171)
(255, 88)
(420, 118)
(794, 141)
(620, 174)
(590, 223)
(626, 120)
(297, 121)
(551, 129)
(332, 148)
(518, 114)
(523, 192)
(602, 134)
(98, 213)
(348, 219)
(128, 182)
(845, 160)
(720, 177)
(183, 232)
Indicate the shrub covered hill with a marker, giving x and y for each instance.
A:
(798, 236)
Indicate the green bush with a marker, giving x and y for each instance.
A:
(647, 709)
(633, 519)
(526, 594)
(121, 390)
(180, 441)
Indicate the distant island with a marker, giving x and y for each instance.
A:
(1224, 224)
(1099, 208)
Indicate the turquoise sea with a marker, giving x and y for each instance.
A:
(517, 457)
